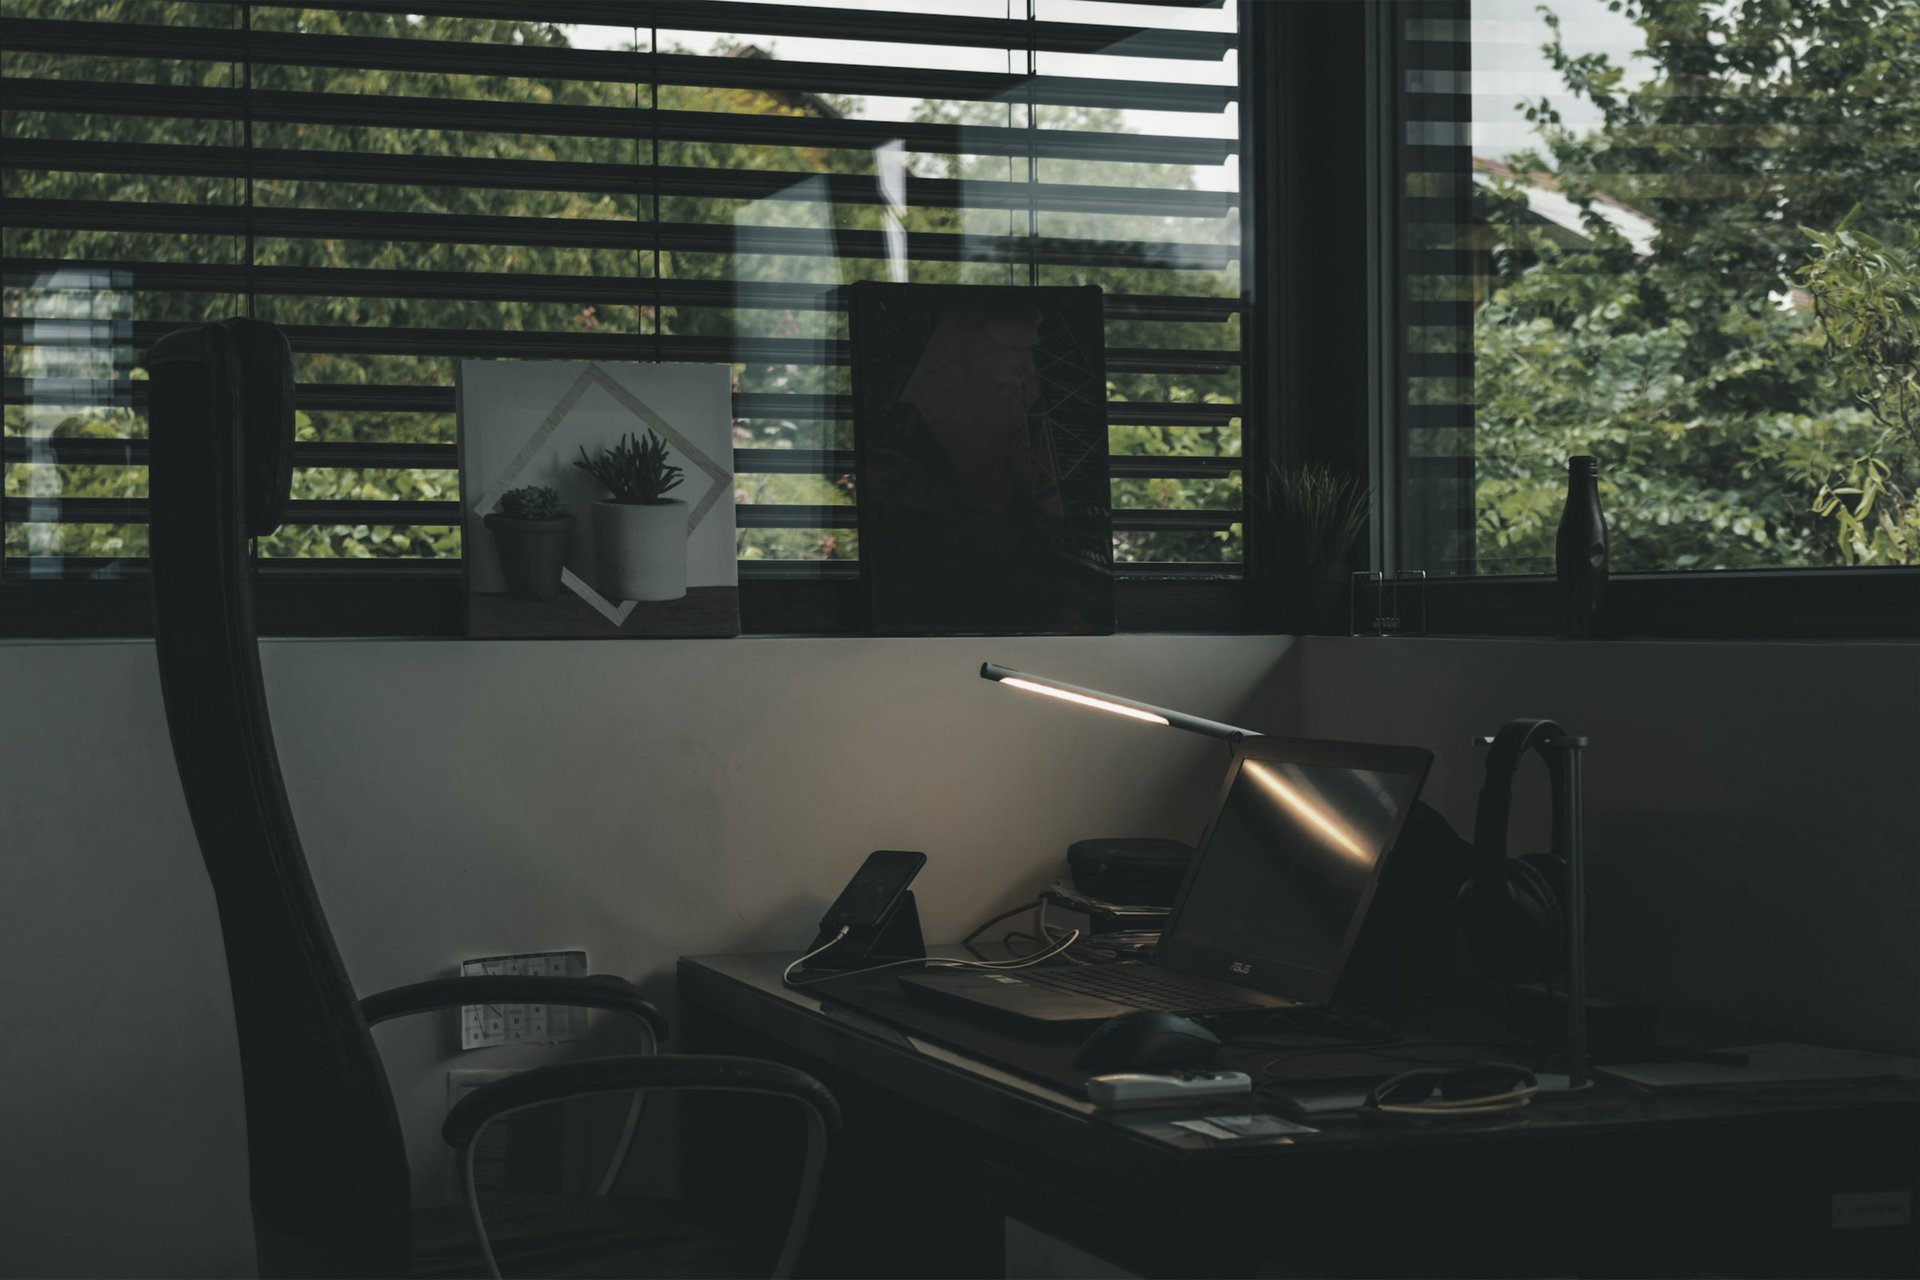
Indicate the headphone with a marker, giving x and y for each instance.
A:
(1513, 910)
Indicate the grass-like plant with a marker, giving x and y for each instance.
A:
(633, 471)
(532, 502)
(1317, 514)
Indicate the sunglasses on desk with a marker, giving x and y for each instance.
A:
(1479, 1089)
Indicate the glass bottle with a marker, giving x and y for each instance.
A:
(1580, 553)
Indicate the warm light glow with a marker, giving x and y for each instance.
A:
(1084, 700)
(1289, 795)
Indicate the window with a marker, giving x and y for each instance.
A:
(1620, 235)
(403, 186)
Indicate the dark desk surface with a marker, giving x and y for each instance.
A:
(1754, 1164)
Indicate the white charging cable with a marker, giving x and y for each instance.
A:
(943, 962)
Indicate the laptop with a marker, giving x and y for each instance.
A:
(1270, 907)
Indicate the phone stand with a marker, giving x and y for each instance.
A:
(896, 937)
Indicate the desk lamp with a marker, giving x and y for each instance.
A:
(1142, 711)
(1569, 813)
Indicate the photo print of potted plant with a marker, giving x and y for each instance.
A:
(639, 534)
(531, 529)
(1317, 515)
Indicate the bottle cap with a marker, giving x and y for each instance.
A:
(1583, 464)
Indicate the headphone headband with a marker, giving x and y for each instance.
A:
(1510, 746)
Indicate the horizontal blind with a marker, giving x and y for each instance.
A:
(404, 185)
(1433, 60)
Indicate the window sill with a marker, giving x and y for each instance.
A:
(1806, 604)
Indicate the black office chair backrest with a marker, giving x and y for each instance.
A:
(329, 1178)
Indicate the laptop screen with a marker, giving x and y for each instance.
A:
(1289, 865)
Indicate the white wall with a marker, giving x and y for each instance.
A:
(1753, 831)
(640, 800)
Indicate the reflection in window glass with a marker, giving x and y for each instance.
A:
(521, 189)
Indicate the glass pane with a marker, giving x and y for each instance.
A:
(562, 194)
(1621, 236)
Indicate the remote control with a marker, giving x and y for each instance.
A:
(1129, 1090)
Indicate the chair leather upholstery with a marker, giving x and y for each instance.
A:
(329, 1178)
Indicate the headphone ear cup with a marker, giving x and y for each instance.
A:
(1541, 878)
(1507, 924)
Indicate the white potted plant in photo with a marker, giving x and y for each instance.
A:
(639, 534)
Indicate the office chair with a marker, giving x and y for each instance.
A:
(328, 1170)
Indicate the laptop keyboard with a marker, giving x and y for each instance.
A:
(1143, 987)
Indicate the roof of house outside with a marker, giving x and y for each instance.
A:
(1545, 202)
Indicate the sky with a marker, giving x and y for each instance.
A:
(1508, 66)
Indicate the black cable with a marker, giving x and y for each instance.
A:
(1305, 1022)
(1266, 1068)
(967, 941)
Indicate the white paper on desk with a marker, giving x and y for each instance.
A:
(1770, 1066)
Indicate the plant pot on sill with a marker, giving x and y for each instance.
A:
(1314, 601)
(531, 553)
(641, 549)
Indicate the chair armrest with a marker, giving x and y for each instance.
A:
(598, 991)
(542, 1085)
(538, 1085)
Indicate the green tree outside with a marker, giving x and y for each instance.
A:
(1729, 422)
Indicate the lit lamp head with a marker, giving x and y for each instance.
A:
(1150, 714)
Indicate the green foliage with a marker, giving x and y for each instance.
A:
(1867, 296)
(633, 471)
(1695, 373)
(532, 502)
(1317, 513)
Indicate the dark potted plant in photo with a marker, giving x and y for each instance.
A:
(1317, 514)
(639, 534)
(531, 528)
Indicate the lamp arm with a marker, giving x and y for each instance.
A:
(1116, 705)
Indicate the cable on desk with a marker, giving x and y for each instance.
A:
(967, 941)
(1306, 1022)
(1512, 1100)
(1267, 1068)
(941, 962)
(786, 978)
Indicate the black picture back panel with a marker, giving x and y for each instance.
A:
(981, 425)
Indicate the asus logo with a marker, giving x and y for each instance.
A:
(1239, 966)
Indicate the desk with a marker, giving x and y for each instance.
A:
(942, 1150)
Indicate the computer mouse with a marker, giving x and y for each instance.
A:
(1147, 1041)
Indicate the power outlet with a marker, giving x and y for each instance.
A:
(483, 1026)
(525, 1153)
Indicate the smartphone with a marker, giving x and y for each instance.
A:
(875, 887)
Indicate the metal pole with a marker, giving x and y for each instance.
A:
(1576, 905)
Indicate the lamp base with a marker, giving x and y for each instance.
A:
(1551, 1086)
(1615, 1029)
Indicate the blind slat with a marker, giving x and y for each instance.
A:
(838, 24)
(201, 277)
(604, 233)
(379, 53)
(397, 111)
(625, 179)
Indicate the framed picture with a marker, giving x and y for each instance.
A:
(981, 425)
(640, 541)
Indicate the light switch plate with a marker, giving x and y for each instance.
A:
(483, 1026)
